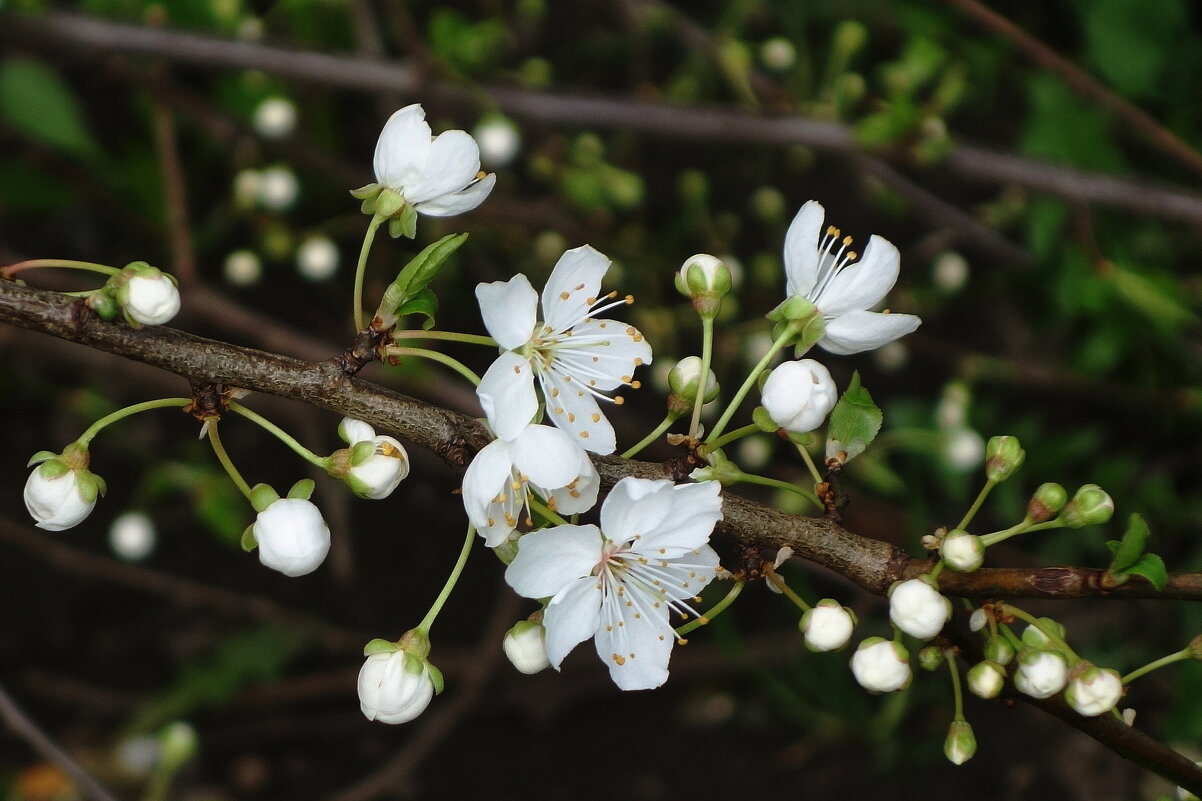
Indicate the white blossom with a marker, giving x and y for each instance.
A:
(820, 267)
(881, 666)
(394, 687)
(542, 459)
(292, 536)
(1041, 674)
(151, 298)
(378, 463)
(575, 357)
(61, 491)
(525, 646)
(620, 582)
(798, 395)
(1093, 690)
(438, 175)
(918, 609)
(827, 625)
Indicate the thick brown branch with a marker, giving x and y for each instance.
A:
(74, 31)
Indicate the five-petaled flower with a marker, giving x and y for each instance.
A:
(575, 357)
(820, 267)
(618, 583)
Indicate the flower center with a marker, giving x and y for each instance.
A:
(833, 256)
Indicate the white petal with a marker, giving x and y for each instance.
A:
(603, 353)
(509, 309)
(402, 148)
(451, 164)
(546, 455)
(507, 394)
(858, 331)
(681, 578)
(550, 559)
(353, 431)
(864, 283)
(635, 639)
(573, 287)
(581, 494)
(694, 510)
(571, 618)
(635, 507)
(575, 410)
(801, 250)
(487, 476)
(461, 201)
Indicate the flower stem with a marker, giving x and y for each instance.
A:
(765, 481)
(70, 264)
(321, 461)
(957, 693)
(224, 458)
(790, 331)
(779, 582)
(707, 355)
(361, 268)
(1183, 654)
(453, 336)
(452, 580)
(976, 505)
(1051, 635)
(1019, 528)
(546, 512)
(653, 436)
(433, 355)
(805, 455)
(731, 436)
(714, 611)
(161, 403)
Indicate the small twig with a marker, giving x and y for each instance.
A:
(24, 727)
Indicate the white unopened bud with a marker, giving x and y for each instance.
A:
(1041, 674)
(317, 258)
(292, 536)
(132, 536)
(961, 743)
(950, 272)
(146, 294)
(1093, 690)
(499, 140)
(918, 609)
(827, 625)
(526, 647)
(61, 491)
(275, 118)
(394, 687)
(377, 467)
(242, 268)
(798, 395)
(962, 551)
(881, 666)
(985, 679)
(278, 188)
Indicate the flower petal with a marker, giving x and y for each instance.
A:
(402, 148)
(603, 353)
(694, 510)
(452, 162)
(581, 494)
(486, 477)
(509, 309)
(507, 394)
(858, 331)
(575, 410)
(635, 639)
(571, 618)
(573, 287)
(546, 455)
(635, 507)
(864, 283)
(801, 250)
(465, 199)
(550, 559)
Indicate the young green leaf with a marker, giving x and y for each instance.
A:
(854, 422)
(1151, 567)
(424, 303)
(402, 295)
(1128, 551)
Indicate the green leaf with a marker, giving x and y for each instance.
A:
(855, 422)
(1131, 548)
(410, 285)
(37, 103)
(1159, 304)
(1151, 567)
(424, 303)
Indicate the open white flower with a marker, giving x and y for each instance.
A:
(575, 357)
(498, 482)
(618, 583)
(438, 175)
(820, 267)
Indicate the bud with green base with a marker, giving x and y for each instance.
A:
(1047, 501)
(1093, 690)
(930, 657)
(986, 679)
(684, 382)
(145, 295)
(827, 625)
(1090, 506)
(61, 492)
(998, 649)
(704, 279)
(525, 646)
(1003, 456)
(290, 533)
(961, 743)
(397, 681)
(961, 551)
(374, 464)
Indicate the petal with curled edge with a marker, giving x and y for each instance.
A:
(509, 309)
(864, 283)
(603, 353)
(802, 259)
(573, 287)
(858, 331)
(488, 476)
(452, 162)
(402, 148)
(458, 202)
(546, 455)
(507, 394)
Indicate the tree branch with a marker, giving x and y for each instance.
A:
(58, 30)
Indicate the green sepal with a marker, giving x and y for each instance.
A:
(42, 456)
(1128, 550)
(435, 678)
(366, 192)
(302, 490)
(362, 451)
(806, 439)
(404, 224)
(90, 485)
(248, 541)
(262, 496)
(380, 646)
(104, 304)
(854, 422)
(760, 416)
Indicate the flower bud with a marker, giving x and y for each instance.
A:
(1047, 501)
(684, 381)
(177, 745)
(1090, 506)
(706, 280)
(1041, 674)
(1003, 455)
(1093, 690)
(960, 744)
(317, 258)
(275, 118)
(917, 608)
(1195, 648)
(61, 491)
(376, 467)
(827, 625)
(132, 536)
(1034, 636)
(962, 551)
(978, 619)
(798, 395)
(985, 679)
(146, 295)
(396, 686)
(998, 649)
(881, 666)
(292, 536)
(930, 657)
(526, 647)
